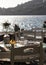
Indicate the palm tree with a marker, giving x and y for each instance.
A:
(6, 25)
(6, 36)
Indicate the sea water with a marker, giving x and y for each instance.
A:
(23, 21)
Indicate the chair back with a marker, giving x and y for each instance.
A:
(24, 54)
(38, 34)
(29, 35)
(28, 53)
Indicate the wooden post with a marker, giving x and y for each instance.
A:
(12, 54)
(41, 59)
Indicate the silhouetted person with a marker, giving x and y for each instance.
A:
(44, 24)
(16, 28)
(17, 31)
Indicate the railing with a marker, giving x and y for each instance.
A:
(35, 34)
(21, 54)
(24, 54)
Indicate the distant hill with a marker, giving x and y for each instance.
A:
(34, 7)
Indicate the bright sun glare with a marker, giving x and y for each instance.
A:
(11, 3)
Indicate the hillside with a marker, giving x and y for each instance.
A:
(34, 7)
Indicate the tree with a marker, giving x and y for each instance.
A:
(6, 25)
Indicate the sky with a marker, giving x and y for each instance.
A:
(11, 3)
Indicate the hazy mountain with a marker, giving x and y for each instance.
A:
(34, 7)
